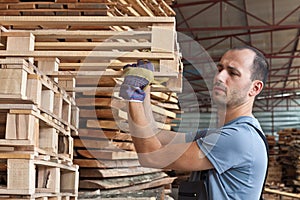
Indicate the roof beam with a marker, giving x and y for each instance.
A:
(180, 5)
(226, 28)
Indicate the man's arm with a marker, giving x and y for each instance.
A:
(158, 148)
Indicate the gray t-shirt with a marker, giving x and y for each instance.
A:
(239, 157)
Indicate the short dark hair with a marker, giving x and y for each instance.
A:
(260, 67)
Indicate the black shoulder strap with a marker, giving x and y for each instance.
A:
(263, 137)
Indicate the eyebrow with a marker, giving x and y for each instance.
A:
(229, 67)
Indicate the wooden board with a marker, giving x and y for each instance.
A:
(117, 172)
(110, 183)
(93, 163)
(110, 155)
(152, 184)
(98, 133)
(84, 21)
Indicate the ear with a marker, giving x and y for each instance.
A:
(256, 88)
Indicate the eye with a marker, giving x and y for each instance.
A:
(220, 67)
(233, 73)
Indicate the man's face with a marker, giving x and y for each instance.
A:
(233, 80)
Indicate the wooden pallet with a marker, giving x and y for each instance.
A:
(24, 125)
(28, 175)
(21, 82)
(97, 53)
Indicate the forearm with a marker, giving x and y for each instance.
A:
(164, 136)
(142, 131)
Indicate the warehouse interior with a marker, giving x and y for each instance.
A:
(63, 128)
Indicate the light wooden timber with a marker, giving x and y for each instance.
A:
(105, 154)
(282, 193)
(84, 20)
(97, 163)
(130, 56)
(120, 182)
(91, 45)
(83, 34)
(108, 73)
(118, 172)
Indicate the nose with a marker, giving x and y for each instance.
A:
(221, 76)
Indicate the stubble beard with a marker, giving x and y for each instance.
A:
(225, 101)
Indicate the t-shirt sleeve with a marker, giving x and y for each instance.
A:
(226, 148)
(190, 137)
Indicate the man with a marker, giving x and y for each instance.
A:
(234, 154)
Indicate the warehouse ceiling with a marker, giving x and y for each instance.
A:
(273, 26)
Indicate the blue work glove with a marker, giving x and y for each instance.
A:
(136, 78)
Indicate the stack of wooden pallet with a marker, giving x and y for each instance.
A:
(274, 170)
(86, 8)
(85, 55)
(38, 119)
(289, 157)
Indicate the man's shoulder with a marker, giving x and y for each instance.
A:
(242, 126)
(243, 121)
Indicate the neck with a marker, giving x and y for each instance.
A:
(230, 113)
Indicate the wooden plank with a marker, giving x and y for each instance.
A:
(13, 82)
(120, 182)
(47, 101)
(26, 168)
(163, 97)
(103, 113)
(169, 106)
(18, 155)
(83, 34)
(34, 88)
(147, 194)
(69, 181)
(90, 66)
(84, 20)
(152, 184)
(94, 90)
(103, 46)
(21, 126)
(282, 193)
(91, 143)
(117, 172)
(109, 155)
(48, 183)
(48, 139)
(108, 73)
(140, 8)
(97, 163)
(127, 146)
(168, 9)
(129, 56)
(47, 65)
(98, 133)
(94, 82)
(105, 102)
(21, 43)
(107, 124)
(163, 38)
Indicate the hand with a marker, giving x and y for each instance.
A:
(137, 78)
